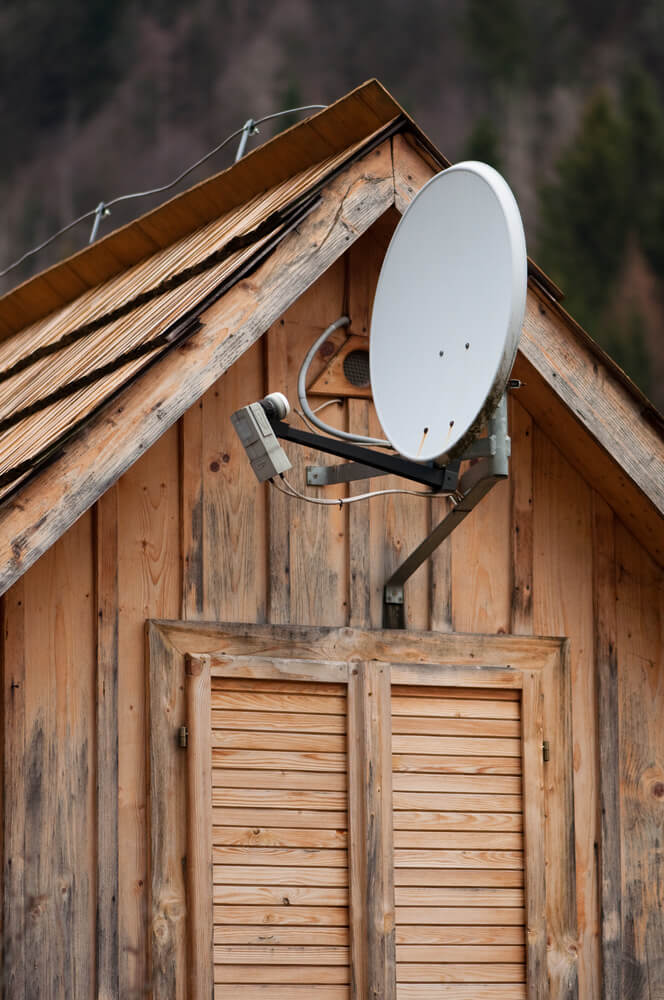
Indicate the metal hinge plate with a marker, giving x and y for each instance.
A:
(183, 737)
(546, 751)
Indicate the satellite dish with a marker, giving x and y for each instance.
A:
(448, 312)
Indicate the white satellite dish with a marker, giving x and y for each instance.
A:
(448, 312)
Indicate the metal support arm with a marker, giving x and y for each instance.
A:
(440, 479)
(474, 486)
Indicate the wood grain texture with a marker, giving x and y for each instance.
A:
(59, 774)
(149, 583)
(533, 824)
(372, 875)
(640, 633)
(168, 810)
(199, 827)
(307, 556)
(107, 847)
(608, 724)
(521, 518)
(14, 791)
(575, 398)
(562, 554)
(141, 414)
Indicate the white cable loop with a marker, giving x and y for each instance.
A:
(302, 393)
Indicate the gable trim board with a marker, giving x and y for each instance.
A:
(598, 419)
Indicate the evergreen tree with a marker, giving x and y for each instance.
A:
(483, 143)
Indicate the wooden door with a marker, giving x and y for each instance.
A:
(361, 828)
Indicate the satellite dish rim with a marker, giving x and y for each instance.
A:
(518, 276)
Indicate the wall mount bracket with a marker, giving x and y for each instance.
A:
(490, 464)
(475, 483)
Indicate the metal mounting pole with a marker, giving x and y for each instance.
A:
(475, 484)
(249, 128)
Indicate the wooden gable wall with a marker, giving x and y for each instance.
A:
(187, 533)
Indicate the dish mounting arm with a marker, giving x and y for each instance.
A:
(473, 487)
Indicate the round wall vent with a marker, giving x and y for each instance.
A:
(356, 368)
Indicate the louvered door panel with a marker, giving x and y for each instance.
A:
(458, 843)
(279, 839)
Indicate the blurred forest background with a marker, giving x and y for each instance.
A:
(102, 97)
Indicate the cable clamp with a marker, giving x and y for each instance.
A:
(101, 212)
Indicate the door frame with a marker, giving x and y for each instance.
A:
(182, 655)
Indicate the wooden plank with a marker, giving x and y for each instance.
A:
(426, 763)
(486, 822)
(59, 831)
(251, 760)
(233, 504)
(300, 722)
(308, 570)
(290, 916)
(283, 955)
(620, 452)
(268, 701)
(410, 858)
(168, 809)
(506, 654)
(441, 915)
(461, 953)
(246, 875)
(276, 895)
(521, 518)
(290, 992)
(360, 567)
(457, 745)
(371, 851)
(534, 822)
(431, 877)
(313, 937)
(457, 972)
(485, 935)
(453, 694)
(239, 740)
(280, 823)
(276, 974)
(437, 676)
(231, 682)
(107, 850)
(403, 725)
(640, 634)
(190, 440)
(327, 781)
(493, 784)
(278, 856)
(563, 553)
(149, 578)
(460, 991)
(260, 668)
(279, 798)
(54, 500)
(466, 896)
(199, 827)
(608, 724)
(14, 910)
(478, 705)
(444, 840)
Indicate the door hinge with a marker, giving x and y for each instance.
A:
(183, 737)
(546, 751)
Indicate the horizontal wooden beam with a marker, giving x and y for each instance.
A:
(102, 452)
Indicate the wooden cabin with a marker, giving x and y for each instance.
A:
(221, 775)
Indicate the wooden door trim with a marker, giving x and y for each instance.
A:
(526, 662)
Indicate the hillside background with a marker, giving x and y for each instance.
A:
(103, 97)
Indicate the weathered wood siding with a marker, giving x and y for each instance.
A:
(196, 537)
